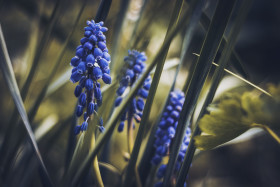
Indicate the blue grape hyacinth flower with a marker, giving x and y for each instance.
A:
(135, 65)
(166, 132)
(90, 64)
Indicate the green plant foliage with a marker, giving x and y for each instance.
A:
(236, 114)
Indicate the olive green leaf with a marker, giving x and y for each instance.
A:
(236, 114)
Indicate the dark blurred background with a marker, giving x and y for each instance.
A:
(251, 163)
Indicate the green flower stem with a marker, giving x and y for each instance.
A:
(96, 170)
(130, 139)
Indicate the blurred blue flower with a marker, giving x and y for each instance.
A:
(166, 132)
(90, 64)
(135, 65)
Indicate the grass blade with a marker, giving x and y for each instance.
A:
(117, 31)
(138, 141)
(208, 52)
(235, 59)
(103, 10)
(6, 67)
(215, 82)
(38, 54)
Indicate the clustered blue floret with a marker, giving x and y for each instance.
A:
(90, 64)
(135, 66)
(166, 132)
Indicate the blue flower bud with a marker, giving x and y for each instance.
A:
(75, 77)
(77, 130)
(160, 133)
(156, 160)
(82, 81)
(161, 150)
(102, 37)
(124, 81)
(101, 129)
(143, 93)
(87, 33)
(103, 63)
(97, 52)
(101, 45)
(82, 99)
(169, 121)
(147, 86)
(104, 29)
(84, 126)
(130, 73)
(78, 90)
(121, 90)
(90, 108)
(79, 110)
(100, 121)
(118, 101)
(89, 84)
(97, 73)
(75, 61)
(171, 132)
(163, 124)
(97, 93)
(161, 171)
(81, 68)
(121, 127)
(106, 70)
(84, 40)
(137, 69)
(88, 29)
(80, 46)
(106, 78)
(181, 156)
(93, 38)
(140, 104)
(169, 108)
(175, 115)
(107, 56)
(88, 46)
(85, 116)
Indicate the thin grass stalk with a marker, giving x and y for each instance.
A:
(7, 70)
(136, 148)
(14, 117)
(194, 12)
(103, 10)
(223, 62)
(208, 52)
(112, 122)
(117, 31)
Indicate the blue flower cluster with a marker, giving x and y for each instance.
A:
(90, 64)
(166, 132)
(135, 66)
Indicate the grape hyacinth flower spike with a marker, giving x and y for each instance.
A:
(166, 132)
(135, 66)
(90, 64)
